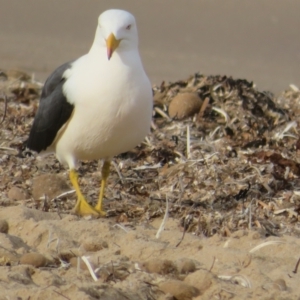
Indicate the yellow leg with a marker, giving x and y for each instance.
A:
(82, 208)
(105, 173)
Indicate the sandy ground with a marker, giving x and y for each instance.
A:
(252, 39)
(133, 264)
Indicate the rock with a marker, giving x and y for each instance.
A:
(16, 193)
(159, 266)
(50, 185)
(184, 105)
(180, 290)
(280, 284)
(3, 226)
(185, 266)
(94, 244)
(34, 259)
(201, 279)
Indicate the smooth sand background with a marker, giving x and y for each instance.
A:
(253, 39)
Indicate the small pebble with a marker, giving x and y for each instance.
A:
(185, 266)
(184, 105)
(159, 266)
(49, 185)
(34, 259)
(280, 284)
(202, 279)
(3, 226)
(16, 193)
(94, 245)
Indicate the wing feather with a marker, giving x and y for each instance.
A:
(53, 112)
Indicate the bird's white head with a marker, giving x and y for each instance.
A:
(116, 31)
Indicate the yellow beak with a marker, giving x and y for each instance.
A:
(111, 44)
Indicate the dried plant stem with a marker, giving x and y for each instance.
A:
(162, 225)
(297, 266)
(188, 142)
(212, 265)
(86, 261)
(58, 293)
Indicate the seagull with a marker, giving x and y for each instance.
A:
(97, 106)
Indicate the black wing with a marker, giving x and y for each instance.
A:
(53, 112)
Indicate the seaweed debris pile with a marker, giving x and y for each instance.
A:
(221, 161)
(222, 153)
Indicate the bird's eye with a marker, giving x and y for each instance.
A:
(128, 27)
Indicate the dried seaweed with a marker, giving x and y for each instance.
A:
(231, 166)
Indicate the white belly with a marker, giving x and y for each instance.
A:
(103, 135)
(107, 120)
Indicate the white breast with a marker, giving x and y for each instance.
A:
(113, 109)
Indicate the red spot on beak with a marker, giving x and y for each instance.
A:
(111, 44)
(109, 53)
